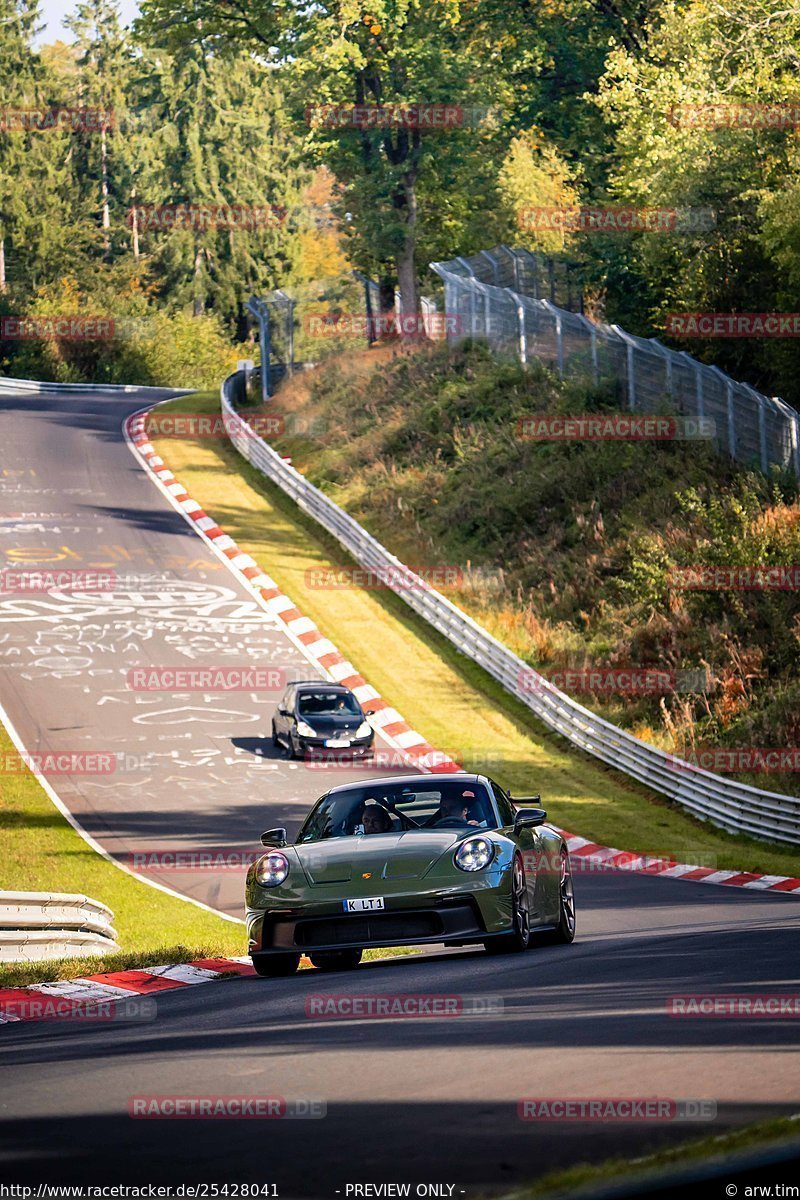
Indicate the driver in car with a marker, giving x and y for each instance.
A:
(376, 819)
(454, 807)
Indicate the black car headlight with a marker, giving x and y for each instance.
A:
(474, 854)
(272, 869)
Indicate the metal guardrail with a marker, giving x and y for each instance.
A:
(35, 926)
(497, 296)
(735, 807)
(35, 386)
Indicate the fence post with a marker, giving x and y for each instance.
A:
(495, 268)
(630, 346)
(794, 425)
(593, 343)
(762, 432)
(731, 418)
(523, 340)
(260, 311)
(472, 313)
(699, 393)
(667, 356)
(556, 314)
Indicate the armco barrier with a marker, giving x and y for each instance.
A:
(35, 387)
(732, 806)
(42, 925)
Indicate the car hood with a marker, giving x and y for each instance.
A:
(335, 723)
(385, 855)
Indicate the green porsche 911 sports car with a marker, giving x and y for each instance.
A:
(406, 861)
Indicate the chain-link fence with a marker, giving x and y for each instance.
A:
(520, 303)
(303, 325)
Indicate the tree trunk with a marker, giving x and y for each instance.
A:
(406, 203)
(134, 225)
(2, 264)
(104, 190)
(199, 304)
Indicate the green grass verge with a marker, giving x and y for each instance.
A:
(449, 699)
(618, 1171)
(42, 852)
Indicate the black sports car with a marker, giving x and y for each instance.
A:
(315, 717)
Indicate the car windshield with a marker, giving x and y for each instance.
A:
(327, 704)
(405, 807)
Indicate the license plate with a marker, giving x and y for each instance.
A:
(369, 904)
(338, 743)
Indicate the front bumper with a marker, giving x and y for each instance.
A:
(316, 747)
(453, 921)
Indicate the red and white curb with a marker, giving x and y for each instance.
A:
(387, 719)
(69, 999)
(602, 858)
(320, 650)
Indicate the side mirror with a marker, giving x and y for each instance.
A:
(527, 818)
(274, 837)
(284, 712)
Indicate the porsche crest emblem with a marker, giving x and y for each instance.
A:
(367, 875)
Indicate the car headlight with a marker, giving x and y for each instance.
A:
(474, 854)
(305, 730)
(364, 729)
(272, 869)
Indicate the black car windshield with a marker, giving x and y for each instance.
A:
(408, 807)
(327, 704)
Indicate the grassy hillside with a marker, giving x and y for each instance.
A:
(568, 548)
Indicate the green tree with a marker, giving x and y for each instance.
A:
(213, 136)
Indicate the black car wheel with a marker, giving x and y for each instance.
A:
(275, 739)
(520, 936)
(566, 902)
(276, 966)
(336, 960)
(564, 932)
